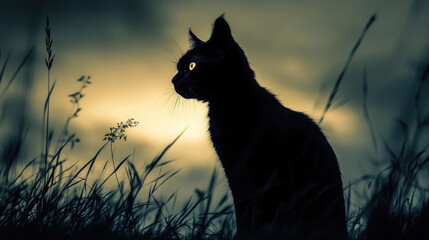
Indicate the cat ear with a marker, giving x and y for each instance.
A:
(194, 40)
(221, 33)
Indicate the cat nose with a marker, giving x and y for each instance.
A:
(175, 79)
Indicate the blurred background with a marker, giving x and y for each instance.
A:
(296, 48)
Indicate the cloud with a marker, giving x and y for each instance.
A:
(98, 23)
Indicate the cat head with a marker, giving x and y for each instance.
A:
(212, 69)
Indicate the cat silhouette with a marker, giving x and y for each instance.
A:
(283, 174)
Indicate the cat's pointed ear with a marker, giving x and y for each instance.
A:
(194, 40)
(221, 34)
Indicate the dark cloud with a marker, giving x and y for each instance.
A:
(99, 23)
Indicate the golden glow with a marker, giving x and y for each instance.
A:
(192, 65)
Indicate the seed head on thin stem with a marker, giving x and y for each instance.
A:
(118, 132)
(48, 41)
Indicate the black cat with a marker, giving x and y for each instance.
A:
(282, 172)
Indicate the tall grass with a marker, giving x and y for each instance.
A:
(52, 198)
(398, 203)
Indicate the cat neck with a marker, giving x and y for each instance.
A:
(239, 95)
(245, 101)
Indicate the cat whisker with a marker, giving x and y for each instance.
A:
(167, 96)
(182, 107)
(178, 107)
(173, 55)
(171, 100)
(169, 59)
(169, 92)
(173, 113)
(175, 102)
(178, 46)
(183, 112)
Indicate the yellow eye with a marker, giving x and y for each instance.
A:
(192, 65)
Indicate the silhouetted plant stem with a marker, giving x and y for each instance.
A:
(48, 62)
(21, 65)
(118, 132)
(346, 66)
(365, 109)
(114, 167)
(420, 122)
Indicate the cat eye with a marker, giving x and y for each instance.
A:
(192, 65)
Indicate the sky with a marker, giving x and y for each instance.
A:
(296, 48)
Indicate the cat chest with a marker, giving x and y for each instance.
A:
(231, 135)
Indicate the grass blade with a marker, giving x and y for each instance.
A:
(24, 61)
(346, 66)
